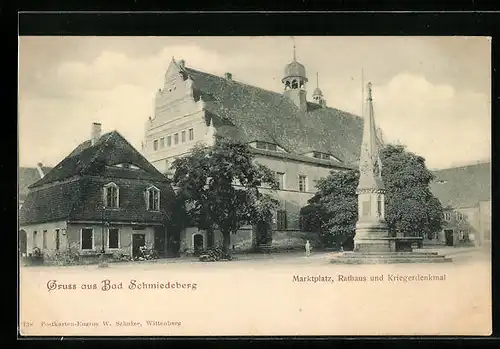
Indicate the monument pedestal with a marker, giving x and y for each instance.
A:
(373, 245)
(372, 237)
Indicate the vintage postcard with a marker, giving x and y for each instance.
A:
(254, 186)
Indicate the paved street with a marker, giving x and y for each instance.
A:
(281, 295)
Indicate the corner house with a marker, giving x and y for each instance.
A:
(104, 194)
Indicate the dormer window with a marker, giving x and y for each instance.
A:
(111, 196)
(126, 165)
(153, 199)
(323, 156)
(266, 146)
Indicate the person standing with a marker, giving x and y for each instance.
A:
(308, 248)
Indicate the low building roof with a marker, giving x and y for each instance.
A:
(28, 176)
(72, 190)
(464, 186)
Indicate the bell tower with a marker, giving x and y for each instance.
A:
(318, 94)
(294, 82)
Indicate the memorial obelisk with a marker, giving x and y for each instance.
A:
(372, 243)
(372, 234)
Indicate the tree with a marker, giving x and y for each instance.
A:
(410, 206)
(220, 187)
(332, 211)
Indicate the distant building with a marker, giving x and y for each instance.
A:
(28, 176)
(104, 195)
(301, 140)
(465, 193)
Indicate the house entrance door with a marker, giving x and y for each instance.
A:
(138, 240)
(23, 241)
(160, 241)
(197, 243)
(448, 235)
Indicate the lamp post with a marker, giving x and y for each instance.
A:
(102, 261)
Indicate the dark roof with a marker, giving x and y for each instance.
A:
(111, 148)
(72, 189)
(28, 176)
(81, 200)
(252, 113)
(464, 186)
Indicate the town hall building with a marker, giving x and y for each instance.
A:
(300, 139)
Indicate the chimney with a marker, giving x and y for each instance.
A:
(182, 63)
(39, 169)
(96, 132)
(228, 76)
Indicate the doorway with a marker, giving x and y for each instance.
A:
(198, 244)
(23, 242)
(138, 240)
(173, 244)
(160, 242)
(448, 235)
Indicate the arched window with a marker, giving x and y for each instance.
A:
(295, 84)
(287, 85)
(111, 195)
(153, 199)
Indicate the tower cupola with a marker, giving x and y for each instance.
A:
(317, 95)
(294, 82)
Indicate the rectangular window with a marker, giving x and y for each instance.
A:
(183, 136)
(379, 206)
(113, 238)
(176, 138)
(316, 155)
(57, 238)
(162, 142)
(302, 183)
(460, 216)
(155, 144)
(169, 141)
(34, 238)
(44, 239)
(191, 134)
(447, 216)
(280, 177)
(87, 241)
(281, 220)
(365, 208)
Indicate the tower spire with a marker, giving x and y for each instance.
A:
(369, 162)
(317, 80)
(294, 54)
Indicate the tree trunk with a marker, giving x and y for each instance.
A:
(226, 241)
(210, 237)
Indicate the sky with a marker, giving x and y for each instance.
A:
(431, 94)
